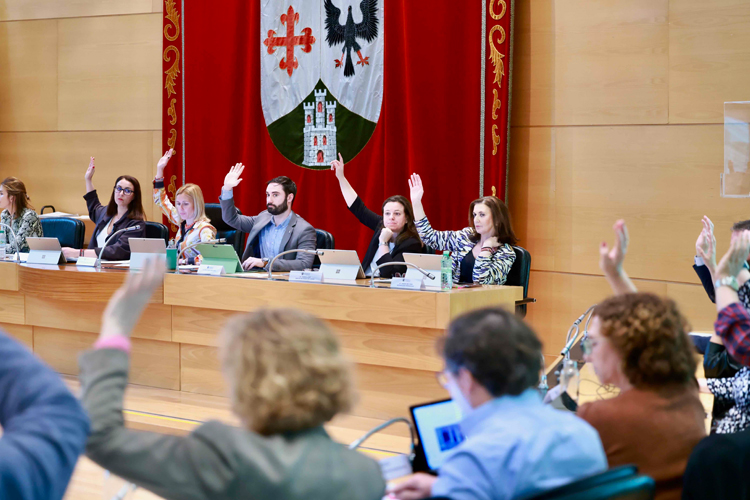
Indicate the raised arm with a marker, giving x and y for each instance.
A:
(347, 191)
(733, 322)
(160, 194)
(610, 261)
(416, 191)
(89, 176)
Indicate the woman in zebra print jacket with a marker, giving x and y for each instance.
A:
(482, 252)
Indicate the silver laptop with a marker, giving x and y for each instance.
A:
(340, 265)
(143, 248)
(429, 262)
(45, 251)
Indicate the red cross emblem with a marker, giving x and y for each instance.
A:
(289, 63)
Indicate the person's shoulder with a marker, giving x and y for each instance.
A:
(301, 222)
(601, 411)
(29, 214)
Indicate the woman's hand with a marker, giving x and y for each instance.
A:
(71, 253)
(385, 236)
(705, 245)
(89, 176)
(338, 167)
(417, 486)
(163, 163)
(491, 242)
(232, 179)
(610, 260)
(128, 302)
(416, 190)
(732, 262)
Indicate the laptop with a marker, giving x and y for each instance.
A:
(438, 431)
(340, 265)
(221, 255)
(45, 251)
(141, 249)
(429, 262)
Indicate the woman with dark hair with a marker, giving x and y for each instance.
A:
(125, 209)
(482, 252)
(395, 232)
(17, 213)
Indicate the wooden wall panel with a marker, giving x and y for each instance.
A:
(14, 10)
(28, 75)
(200, 370)
(12, 308)
(52, 164)
(198, 326)
(22, 333)
(8, 276)
(110, 72)
(155, 364)
(709, 44)
(582, 63)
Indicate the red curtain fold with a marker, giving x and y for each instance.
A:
(429, 123)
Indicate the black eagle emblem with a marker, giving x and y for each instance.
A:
(349, 32)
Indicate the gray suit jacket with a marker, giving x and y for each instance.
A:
(217, 461)
(299, 234)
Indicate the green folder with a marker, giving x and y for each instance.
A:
(220, 255)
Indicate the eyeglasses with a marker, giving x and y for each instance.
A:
(127, 191)
(587, 346)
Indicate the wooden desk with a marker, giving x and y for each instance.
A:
(390, 334)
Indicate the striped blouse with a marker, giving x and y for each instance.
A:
(201, 230)
(492, 270)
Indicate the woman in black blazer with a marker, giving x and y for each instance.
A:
(125, 209)
(395, 232)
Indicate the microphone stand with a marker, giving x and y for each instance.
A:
(299, 250)
(407, 264)
(356, 444)
(574, 330)
(98, 263)
(209, 242)
(15, 240)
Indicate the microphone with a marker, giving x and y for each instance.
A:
(15, 240)
(407, 264)
(571, 340)
(209, 242)
(98, 263)
(301, 250)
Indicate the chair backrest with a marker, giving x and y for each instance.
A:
(520, 271)
(614, 474)
(70, 232)
(157, 230)
(224, 230)
(324, 241)
(628, 488)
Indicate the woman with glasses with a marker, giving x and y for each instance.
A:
(124, 210)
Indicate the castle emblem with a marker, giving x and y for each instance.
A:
(320, 131)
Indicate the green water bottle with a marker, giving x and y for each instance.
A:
(446, 272)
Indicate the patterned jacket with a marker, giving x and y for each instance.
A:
(491, 270)
(201, 230)
(24, 226)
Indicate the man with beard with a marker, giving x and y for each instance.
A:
(272, 231)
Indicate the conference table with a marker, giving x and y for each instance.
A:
(390, 334)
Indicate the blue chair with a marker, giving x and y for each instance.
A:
(223, 230)
(70, 232)
(519, 276)
(157, 230)
(620, 483)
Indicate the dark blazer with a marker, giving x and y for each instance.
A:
(705, 276)
(45, 427)
(118, 247)
(217, 461)
(719, 467)
(299, 234)
(375, 222)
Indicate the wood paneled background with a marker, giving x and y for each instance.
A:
(78, 79)
(617, 112)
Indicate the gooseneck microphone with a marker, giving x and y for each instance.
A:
(15, 240)
(407, 264)
(300, 250)
(209, 242)
(98, 263)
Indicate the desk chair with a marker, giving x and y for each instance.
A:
(224, 230)
(70, 232)
(519, 276)
(157, 230)
(324, 241)
(619, 483)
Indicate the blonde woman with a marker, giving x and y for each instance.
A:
(287, 377)
(188, 212)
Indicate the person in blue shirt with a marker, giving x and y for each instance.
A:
(44, 427)
(515, 445)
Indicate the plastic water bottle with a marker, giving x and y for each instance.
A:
(570, 378)
(446, 272)
(2, 243)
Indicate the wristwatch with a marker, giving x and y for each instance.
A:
(729, 281)
(265, 261)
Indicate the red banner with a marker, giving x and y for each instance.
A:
(434, 120)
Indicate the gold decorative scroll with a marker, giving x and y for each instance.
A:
(172, 189)
(494, 191)
(496, 103)
(174, 17)
(495, 16)
(172, 138)
(495, 140)
(495, 56)
(172, 112)
(173, 71)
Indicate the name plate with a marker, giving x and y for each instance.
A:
(210, 270)
(306, 276)
(408, 283)
(86, 262)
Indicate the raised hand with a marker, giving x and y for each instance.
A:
(232, 179)
(705, 245)
(163, 163)
(610, 260)
(128, 302)
(90, 171)
(416, 190)
(732, 262)
(338, 167)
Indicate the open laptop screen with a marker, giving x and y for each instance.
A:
(438, 429)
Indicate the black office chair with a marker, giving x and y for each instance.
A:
(619, 483)
(157, 230)
(70, 232)
(519, 276)
(223, 230)
(325, 241)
